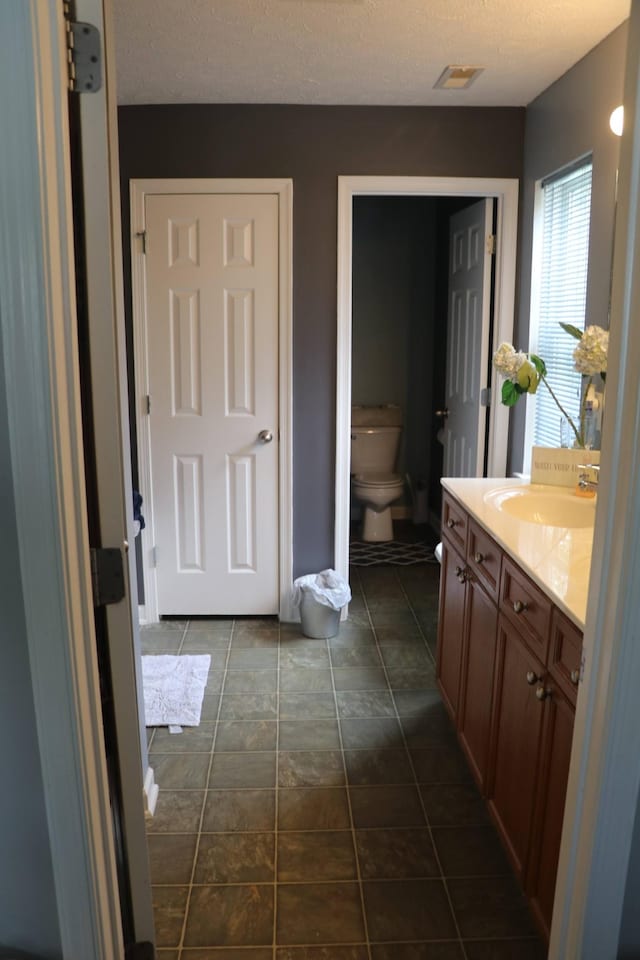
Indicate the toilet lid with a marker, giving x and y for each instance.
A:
(378, 479)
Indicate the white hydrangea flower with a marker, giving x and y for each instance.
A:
(508, 361)
(590, 356)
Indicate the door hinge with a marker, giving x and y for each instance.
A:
(154, 556)
(107, 575)
(147, 403)
(485, 397)
(143, 236)
(84, 55)
(491, 244)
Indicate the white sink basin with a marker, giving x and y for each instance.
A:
(550, 506)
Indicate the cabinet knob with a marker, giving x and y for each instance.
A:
(575, 677)
(542, 693)
(451, 523)
(519, 606)
(478, 557)
(461, 574)
(532, 677)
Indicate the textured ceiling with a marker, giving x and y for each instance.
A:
(351, 51)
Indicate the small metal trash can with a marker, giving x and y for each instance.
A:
(318, 621)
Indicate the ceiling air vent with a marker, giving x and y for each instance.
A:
(457, 77)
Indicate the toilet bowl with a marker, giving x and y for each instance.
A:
(375, 439)
(377, 491)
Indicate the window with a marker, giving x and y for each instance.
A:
(559, 291)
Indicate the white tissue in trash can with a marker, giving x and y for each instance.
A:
(326, 587)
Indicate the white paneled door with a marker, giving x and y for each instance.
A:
(470, 246)
(212, 334)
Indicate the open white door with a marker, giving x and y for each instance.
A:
(470, 253)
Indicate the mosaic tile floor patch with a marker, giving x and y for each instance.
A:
(393, 552)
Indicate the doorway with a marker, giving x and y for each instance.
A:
(257, 541)
(505, 193)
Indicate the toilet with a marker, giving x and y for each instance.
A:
(375, 439)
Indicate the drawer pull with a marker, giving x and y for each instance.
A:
(478, 557)
(461, 574)
(451, 523)
(542, 693)
(532, 678)
(519, 606)
(575, 677)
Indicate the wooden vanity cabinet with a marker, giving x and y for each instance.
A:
(508, 667)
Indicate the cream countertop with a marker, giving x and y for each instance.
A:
(558, 559)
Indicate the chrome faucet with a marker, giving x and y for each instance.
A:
(584, 482)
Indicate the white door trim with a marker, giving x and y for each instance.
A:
(506, 193)
(44, 411)
(284, 190)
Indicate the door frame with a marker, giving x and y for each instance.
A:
(283, 189)
(505, 191)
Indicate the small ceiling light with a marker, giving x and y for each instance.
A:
(616, 121)
(457, 77)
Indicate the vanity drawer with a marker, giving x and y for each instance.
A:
(565, 654)
(454, 523)
(526, 607)
(484, 557)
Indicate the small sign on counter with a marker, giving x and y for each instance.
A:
(560, 466)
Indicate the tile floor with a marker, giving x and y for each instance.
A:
(322, 809)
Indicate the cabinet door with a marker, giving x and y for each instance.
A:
(552, 789)
(476, 696)
(450, 627)
(516, 736)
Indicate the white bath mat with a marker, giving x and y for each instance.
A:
(173, 689)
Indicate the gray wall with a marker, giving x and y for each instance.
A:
(313, 145)
(568, 121)
(28, 914)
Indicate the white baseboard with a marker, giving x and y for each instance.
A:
(150, 792)
(142, 614)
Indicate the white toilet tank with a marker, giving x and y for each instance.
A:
(375, 438)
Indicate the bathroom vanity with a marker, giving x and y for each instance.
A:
(513, 597)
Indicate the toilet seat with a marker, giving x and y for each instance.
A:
(377, 479)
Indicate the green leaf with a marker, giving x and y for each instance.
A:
(539, 364)
(572, 331)
(510, 393)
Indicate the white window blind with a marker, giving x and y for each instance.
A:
(566, 206)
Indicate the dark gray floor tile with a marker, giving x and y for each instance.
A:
(236, 735)
(432, 729)
(307, 706)
(389, 616)
(309, 735)
(251, 681)
(180, 771)
(396, 854)
(322, 953)
(171, 857)
(403, 635)
(451, 804)
(313, 808)
(440, 765)
(233, 953)
(305, 656)
(215, 644)
(239, 810)
(164, 626)
(359, 678)
(470, 851)
(210, 704)
(214, 682)
(167, 954)
(372, 734)
(505, 950)
(191, 740)
(314, 857)
(230, 916)
(408, 910)
(249, 706)
(408, 656)
(310, 768)
(236, 858)
(416, 951)
(382, 806)
(365, 767)
(362, 704)
(363, 655)
(416, 703)
(177, 811)
(319, 913)
(236, 770)
(256, 638)
(169, 905)
(490, 907)
(160, 644)
(305, 680)
(210, 624)
(253, 658)
(352, 635)
(405, 678)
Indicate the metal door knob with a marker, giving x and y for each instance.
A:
(442, 413)
(542, 694)
(265, 436)
(478, 557)
(451, 523)
(519, 606)
(532, 678)
(575, 677)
